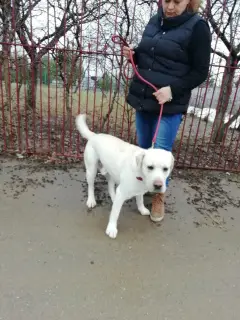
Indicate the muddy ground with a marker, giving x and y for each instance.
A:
(57, 263)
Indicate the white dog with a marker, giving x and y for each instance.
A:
(134, 170)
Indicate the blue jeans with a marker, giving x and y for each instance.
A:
(146, 125)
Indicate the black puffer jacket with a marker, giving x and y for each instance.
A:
(173, 52)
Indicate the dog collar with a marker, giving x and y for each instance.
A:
(139, 178)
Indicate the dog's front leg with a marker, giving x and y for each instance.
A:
(119, 199)
(91, 202)
(111, 188)
(141, 207)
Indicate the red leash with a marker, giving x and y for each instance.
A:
(122, 42)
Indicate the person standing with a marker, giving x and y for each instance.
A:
(174, 55)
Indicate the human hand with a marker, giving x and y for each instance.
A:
(126, 52)
(163, 95)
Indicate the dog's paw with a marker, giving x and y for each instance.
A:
(91, 203)
(112, 231)
(144, 211)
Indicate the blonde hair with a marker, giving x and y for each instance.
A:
(194, 5)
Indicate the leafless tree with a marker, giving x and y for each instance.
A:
(66, 16)
(5, 54)
(224, 19)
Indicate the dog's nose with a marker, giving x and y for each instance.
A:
(157, 185)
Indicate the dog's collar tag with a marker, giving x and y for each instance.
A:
(140, 178)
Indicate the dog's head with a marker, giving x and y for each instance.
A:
(155, 165)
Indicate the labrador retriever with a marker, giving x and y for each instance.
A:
(134, 170)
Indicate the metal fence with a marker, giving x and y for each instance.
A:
(57, 60)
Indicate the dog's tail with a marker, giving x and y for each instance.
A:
(82, 126)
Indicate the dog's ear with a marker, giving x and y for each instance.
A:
(172, 163)
(138, 158)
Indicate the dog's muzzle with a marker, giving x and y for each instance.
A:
(157, 185)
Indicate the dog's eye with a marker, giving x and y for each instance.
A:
(165, 169)
(150, 167)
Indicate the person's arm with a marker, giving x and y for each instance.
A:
(199, 52)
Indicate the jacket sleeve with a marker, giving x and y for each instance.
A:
(199, 54)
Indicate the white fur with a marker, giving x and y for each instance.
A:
(122, 163)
